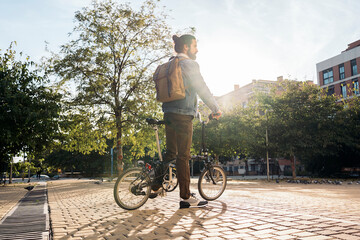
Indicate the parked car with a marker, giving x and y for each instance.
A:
(42, 177)
(56, 177)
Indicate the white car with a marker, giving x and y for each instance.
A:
(42, 177)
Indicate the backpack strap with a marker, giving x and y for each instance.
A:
(168, 69)
(181, 59)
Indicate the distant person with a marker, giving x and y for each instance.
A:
(38, 173)
(178, 116)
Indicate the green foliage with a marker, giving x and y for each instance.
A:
(20, 167)
(29, 108)
(84, 132)
(225, 137)
(111, 62)
(301, 120)
(92, 164)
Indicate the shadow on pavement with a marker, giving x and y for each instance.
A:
(152, 224)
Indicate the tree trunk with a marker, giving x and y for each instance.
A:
(246, 168)
(216, 159)
(11, 168)
(293, 166)
(29, 170)
(119, 145)
(119, 152)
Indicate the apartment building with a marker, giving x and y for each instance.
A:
(340, 74)
(242, 95)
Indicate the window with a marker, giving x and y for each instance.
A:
(330, 90)
(343, 90)
(328, 76)
(356, 86)
(341, 71)
(353, 67)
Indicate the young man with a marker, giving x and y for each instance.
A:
(178, 116)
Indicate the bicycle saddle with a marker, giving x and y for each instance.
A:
(154, 121)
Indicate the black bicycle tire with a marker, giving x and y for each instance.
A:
(200, 187)
(116, 189)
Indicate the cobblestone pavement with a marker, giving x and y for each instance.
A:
(81, 209)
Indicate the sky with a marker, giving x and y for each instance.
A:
(238, 40)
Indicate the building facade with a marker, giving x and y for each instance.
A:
(340, 74)
(242, 95)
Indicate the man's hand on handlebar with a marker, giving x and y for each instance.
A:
(216, 115)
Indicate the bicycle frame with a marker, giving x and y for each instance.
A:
(155, 127)
(170, 167)
(204, 150)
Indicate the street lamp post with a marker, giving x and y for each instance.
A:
(267, 155)
(267, 148)
(112, 162)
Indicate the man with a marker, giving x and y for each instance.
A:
(178, 116)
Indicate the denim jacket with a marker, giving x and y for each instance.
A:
(194, 85)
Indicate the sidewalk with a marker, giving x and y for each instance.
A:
(82, 209)
(28, 218)
(9, 197)
(85, 209)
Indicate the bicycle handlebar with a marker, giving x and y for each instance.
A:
(210, 117)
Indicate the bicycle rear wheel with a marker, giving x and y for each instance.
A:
(212, 183)
(132, 189)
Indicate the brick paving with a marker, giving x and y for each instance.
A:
(81, 209)
(10, 196)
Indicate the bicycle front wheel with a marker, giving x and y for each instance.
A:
(212, 183)
(132, 189)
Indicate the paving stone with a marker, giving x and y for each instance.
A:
(265, 226)
(288, 224)
(336, 228)
(319, 237)
(346, 236)
(327, 232)
(87, 210)
(287, 232)
(284, 237)
(213, 234)
(196, 236)
(304, 234)
(245, 225)
(280, 228)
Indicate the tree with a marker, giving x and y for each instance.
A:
(111, 62)
(345, 152)
(303, 120)
(349, 131)
(91, 164)
(29, 108)
(226, 137)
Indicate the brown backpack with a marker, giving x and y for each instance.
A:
(169, 82)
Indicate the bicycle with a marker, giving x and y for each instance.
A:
(133, 187)
(212, 181)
